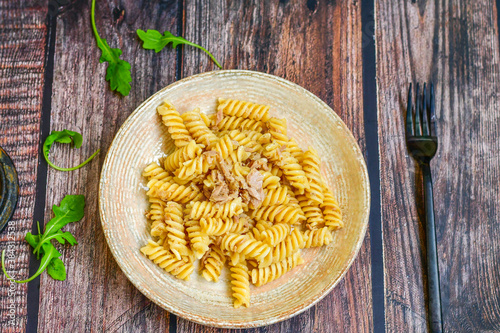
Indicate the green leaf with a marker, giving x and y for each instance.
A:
(70, 210)
(49, 253)
(64, 136)
(32, 239)
(56, 269)
(118, 71)
(154, 40)
(62, 237)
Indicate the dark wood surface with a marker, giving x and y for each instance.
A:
(22, 48)
(320, 45)
(455, 45)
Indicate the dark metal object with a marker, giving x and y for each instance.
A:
(422, 142)
(9, 189)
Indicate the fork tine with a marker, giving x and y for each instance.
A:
(409, 115)
(432, 112)
(425, 116)
(418, 130)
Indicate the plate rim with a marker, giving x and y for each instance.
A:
(226, 323)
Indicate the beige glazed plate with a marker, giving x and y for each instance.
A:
(143, 139)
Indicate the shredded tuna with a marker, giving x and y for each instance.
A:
(211, 156)
(220, 194)
(254, 181)
(206, 192)
(219, 116)
(233, 194)
(259, 164)
(245, 197)
(226, 168)
(255, 156)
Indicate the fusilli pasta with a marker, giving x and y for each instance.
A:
(237, 190)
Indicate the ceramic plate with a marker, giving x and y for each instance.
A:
(143, 139)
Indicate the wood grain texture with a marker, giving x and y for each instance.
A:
(96, 296)
(455, 45)
(316, 44)
(22, 40)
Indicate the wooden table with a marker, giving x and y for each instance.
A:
(358, 56)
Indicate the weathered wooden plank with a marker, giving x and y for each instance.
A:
(455, 45)
(96, 295)
(316, 44)
(22, 39)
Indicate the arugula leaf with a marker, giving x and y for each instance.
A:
(65, 136)
(118, 71)
(154, 40)
(71, 209)
(56, 269)
(32, 240)
(50, 252)
(62, 237)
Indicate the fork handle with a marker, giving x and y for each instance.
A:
(432, 262)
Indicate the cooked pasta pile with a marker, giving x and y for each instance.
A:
(236, 190)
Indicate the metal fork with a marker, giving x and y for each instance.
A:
(422, 142)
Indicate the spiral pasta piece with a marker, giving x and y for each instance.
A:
(265, 138)
(275, 234)
(261, 276)
(199, 240)
(238, 123)
(247, 139)
(279, 214)
(218, 226)
(235, 258)
(269, 180)
(208, 119)
(259, 228)
(331, 211)
(232, 107)
(209, 209)
(276, 171)
(198, 129)
(224, 147)
(211, 264)
(245, 245)
(239, 155)
(181, 155)
(162, 257)
(311, 164)
(318, 237)
(278, 196)
(195, 167)
(174, 219)
(277, 129)
(295, 241)
(169, 191)
(156, 209)
(289, 165)
(312, 212)
(153, 170)
(159, 229)
(294, 150)
(174, 123)
(240, 284)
